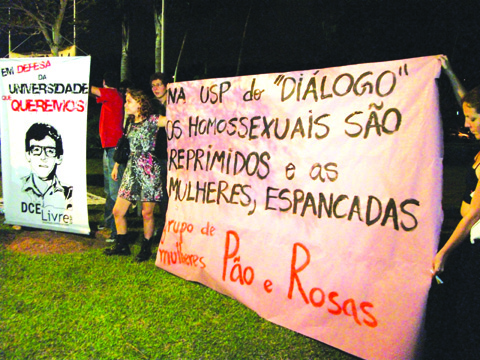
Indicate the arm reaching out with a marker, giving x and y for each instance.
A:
(95, 91)
(471, 215)
(457, 86)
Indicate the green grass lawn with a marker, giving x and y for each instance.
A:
(90, 306)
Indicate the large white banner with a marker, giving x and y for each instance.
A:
(43, 130)
(312, 197)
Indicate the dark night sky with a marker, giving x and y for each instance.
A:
(289, 35)
(284, 35)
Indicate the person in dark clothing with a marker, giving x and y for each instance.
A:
(453, 307)
(159, 82)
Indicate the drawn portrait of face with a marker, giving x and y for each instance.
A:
(43, 150)
(43, 158)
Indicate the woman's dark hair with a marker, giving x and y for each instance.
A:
(140, 97)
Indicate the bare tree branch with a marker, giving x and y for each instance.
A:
(33, 17)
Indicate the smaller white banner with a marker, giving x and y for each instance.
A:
(43, 131)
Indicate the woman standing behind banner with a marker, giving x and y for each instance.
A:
(159, 82)
(453, 310)
(141, 180)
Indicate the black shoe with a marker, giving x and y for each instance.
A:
(120, 247)
(145, 252)
(131, 239)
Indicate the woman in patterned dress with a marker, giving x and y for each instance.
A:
(141, 180)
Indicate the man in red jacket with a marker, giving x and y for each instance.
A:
(111, 129)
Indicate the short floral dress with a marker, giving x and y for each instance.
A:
(141, 179)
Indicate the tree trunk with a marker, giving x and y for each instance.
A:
(57, 36)
(157, 14)
(125, 62)
(54, 39)
(125, 66)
